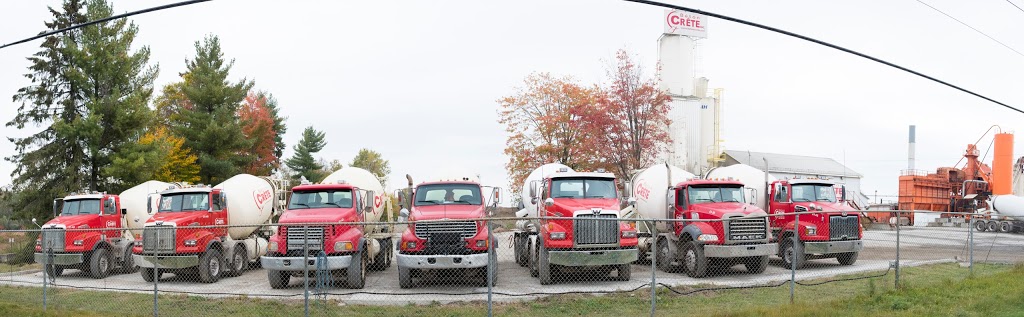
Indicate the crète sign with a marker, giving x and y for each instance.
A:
(686, 23)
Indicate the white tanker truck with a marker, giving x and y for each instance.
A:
(186, 234)
(311, 235)
(1011, 210)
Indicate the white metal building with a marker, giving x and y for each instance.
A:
(783, 166)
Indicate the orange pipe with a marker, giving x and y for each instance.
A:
(1002, 164)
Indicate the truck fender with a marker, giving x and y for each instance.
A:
(788, 228)
(694, 230)
(101, 244)
(212, 244)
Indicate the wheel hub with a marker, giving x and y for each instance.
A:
(691, 260)
(214, 267)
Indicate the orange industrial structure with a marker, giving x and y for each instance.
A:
(959, 189)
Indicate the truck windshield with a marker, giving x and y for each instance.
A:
(715, 194)
(184, 202)
(334, 198)
(814, 192)
(80, 207)
(583, 188)
(444, 194)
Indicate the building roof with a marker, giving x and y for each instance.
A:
(797, 164)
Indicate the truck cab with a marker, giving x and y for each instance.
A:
(445, 230)
(311, 236)
(587, 231)
(87, 233)
(833, 231)
(737, 232)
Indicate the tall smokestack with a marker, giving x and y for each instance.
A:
(910, 151)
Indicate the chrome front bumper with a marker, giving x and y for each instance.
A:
(60, 258)
(166, 261)
(295, 263)
(740, 251)
(592, 258)
(416, 261)
(823, 247)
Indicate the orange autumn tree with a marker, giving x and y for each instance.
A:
(639, 110)
(258, 125)
(553, 120)
(179, 164)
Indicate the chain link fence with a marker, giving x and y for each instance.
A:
(494, 263)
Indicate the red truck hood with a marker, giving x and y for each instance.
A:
(570, 205)
(720, 209)
(432, 212)
(318, 215)
(72, 222)
(824, 205)
(181, 218)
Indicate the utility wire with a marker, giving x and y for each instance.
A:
(1015, 5)
(823, 43)
(972, 28)
(123, 15)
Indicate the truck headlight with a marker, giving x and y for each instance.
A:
(190, 243)
(558, 235)
(707, 238)
(629, 234)
(343, 246)
(409, 245)
(481, 243)
(272, 247)
(138, 243)
(78, 242)
(811, 230)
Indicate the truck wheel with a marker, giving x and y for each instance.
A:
(149, 275)
(980, 225)
(54, 271)
(99, 263)
(356, 272)
(694, 262)
(793, 250)
(239, 261)
(624, 272)
(662, 252)
(278, 279)
(210, 264)
(390, 253)
(533, 259)
(847, 258)
(543, 266)
(380, 261)
(519, 246)
(756, 265)
(128, 263)
(404, 277)
(993, 226)
(1005, 227)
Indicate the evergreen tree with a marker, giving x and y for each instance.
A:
(302, 162)
(208, 121)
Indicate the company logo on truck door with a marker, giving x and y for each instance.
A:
(642, 191)
(111, 224)
(262, 197)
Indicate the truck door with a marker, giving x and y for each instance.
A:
(110, 218)
(780, 203)
(219, 212)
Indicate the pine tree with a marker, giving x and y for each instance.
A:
(302, 162)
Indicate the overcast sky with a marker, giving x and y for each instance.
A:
(418, 81)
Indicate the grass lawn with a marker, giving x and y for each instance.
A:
(936, 290)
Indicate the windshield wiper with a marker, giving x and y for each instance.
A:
(432, 202)
(564, 197)
(802, 200)
(333, 203)
(463, 201)
(301, 204)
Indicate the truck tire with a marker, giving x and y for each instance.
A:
(278, 279)
(981, 225)
(694, 262)
(54, 271)
(128, 263)
(848, 258)
(382, 260)
(543, 264)
(623, 272)
(519, 243)
(533, 258)
(356, 272)
(239, 262)
(664, 260)
(793, 250)
(1005, 227)
(993, 226)
(210, 265)
(149, 275)
(404, 277)
(756, 265)
(99, 263)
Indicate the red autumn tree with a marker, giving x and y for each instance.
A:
(553, 120)
(258, 125)
(639, 110)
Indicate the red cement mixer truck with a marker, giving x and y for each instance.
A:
(100, 237)
(737, 232)
(209, 231)
(344, 250)
(833, 231)
(595, 238)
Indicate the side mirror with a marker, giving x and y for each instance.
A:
(548, 202)
(533, 189)
(496, 196)
(369, 201)
(124, 211)
(627, 191)
(149, 206)
(403, 215)
(55, 209)
(753, 196)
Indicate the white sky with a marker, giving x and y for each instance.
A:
(418, 81)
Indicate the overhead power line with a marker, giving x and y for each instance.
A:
(123, 15)
(972, 28)
(823, 43)
(1015, 5)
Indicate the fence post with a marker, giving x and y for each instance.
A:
(492, 262)
(156, 268)
(970, 246)
(305, 265)
(792, 259)
(653, 251)
(47, 268)
(898, 234)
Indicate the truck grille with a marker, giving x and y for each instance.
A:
(594, 230)
(750, 229)
(843, 228)
(53, 239)
(158, 239)
(463, 229)
(299, 236)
